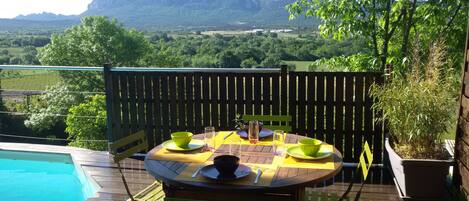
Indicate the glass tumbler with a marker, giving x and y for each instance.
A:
(253, 132)
(209, 138)
(235, 147)
(278, 142)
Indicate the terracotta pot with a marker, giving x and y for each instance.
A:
(418, 179)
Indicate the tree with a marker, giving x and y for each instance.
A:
(249, 63)
(227, 59)
(271, 61)
(51, 107)
(388, 25)
(94, 42)
(30, 55)
(87, 121)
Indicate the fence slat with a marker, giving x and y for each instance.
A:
(348, 155)
(149, 125)
(231, 100)
(173, 113)
(292, 80)
(248, 86)
(206, 100)
(181, 96)
(320, 114)
(214, 98)
(330, 86)
(124, 104)
(140, 103)
(157, 109)
(301, 108)
(257, 104)
(311, 111)
(224, 121)
(339, 113)
(165, 107)
(266, 101)
(190, 102)
(197, 102)
(358, 117)
(132, 104)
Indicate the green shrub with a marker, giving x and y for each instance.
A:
(418, 107)
(80, 127)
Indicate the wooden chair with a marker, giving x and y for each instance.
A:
(366, 160)
(284, 121)
(126, 147)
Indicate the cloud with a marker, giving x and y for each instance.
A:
(13, 8)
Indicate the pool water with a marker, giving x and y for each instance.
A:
(33, 176)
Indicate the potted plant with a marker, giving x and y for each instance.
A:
(418, 109)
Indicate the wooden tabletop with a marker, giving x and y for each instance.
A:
(167, 171)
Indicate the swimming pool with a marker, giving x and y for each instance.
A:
(35, 176)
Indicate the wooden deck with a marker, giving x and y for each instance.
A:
(101, 169)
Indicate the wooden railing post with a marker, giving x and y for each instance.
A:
(109, 104)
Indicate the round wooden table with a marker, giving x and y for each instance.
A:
(287, 184)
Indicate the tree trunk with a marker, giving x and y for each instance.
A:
(384, 55)
(407, 28)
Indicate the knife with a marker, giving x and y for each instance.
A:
(227, 136)
(196, 172)
(259, 173)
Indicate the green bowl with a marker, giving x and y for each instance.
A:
(310, 147)
(181, 139)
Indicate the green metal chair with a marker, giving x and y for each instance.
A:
(365, 163)
(284, 121)
(127, 147)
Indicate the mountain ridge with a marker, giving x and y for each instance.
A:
(144, 14)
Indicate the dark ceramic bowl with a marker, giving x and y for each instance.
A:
(226, 164)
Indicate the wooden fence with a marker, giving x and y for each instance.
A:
(331, 106)
(461, 170)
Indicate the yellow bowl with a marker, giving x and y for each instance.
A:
(181, 139)
(310, 147)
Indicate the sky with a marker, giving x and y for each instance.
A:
(13, 8)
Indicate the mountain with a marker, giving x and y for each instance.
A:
(45, 16)
(145, 14)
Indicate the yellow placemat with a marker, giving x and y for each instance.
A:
(326, 163)
(266, 178)
(196, 156)
(235, 137)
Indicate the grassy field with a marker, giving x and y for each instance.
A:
(29, 80)
(15, 51)
(300, 65)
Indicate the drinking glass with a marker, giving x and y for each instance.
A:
(235, 147)
(209, 138)
(253, 132)
(279, 142)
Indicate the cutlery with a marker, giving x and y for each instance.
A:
(229, 134)
(259, 173)
(196, 172)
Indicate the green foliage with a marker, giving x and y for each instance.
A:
(249, 63)
(81, 127)
(48, 111)
(388, 26)
(230, 51)
(227, 59)
(418, 108)
(353, 63)
(94, 42)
